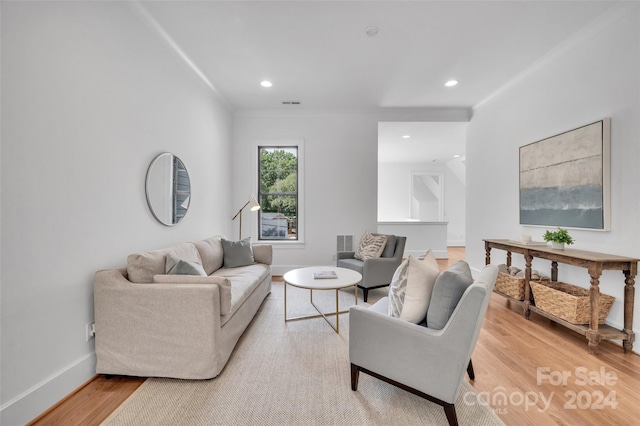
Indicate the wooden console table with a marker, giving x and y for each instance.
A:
(595, 263)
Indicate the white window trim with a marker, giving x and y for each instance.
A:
(301, 210)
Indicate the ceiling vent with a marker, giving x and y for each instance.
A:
(290, 102)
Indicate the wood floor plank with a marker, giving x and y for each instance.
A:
(91, 404)
(506, 360)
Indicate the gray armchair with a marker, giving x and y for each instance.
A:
(426, 362)
(376, 272)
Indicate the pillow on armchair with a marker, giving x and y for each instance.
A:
(447, 292)
(370, 247)
(411, 288)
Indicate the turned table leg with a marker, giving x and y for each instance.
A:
(487, 254)
(527, 287)
(629, 297)
(593, 335)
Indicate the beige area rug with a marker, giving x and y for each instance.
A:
(294, 373)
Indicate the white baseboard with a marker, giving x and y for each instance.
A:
(40, 397)
(283, 269)
(280, 270)
(454, 243)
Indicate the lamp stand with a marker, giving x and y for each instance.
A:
(240, 219)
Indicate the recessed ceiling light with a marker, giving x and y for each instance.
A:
(372, 31)
(266, 83)
(451, 83)
(456, 156)
(406, 136)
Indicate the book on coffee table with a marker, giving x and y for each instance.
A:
(323, 275)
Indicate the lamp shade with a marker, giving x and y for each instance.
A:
(254, 203)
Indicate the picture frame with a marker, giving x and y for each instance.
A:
(565, 179)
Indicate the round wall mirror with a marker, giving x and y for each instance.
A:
(168, 189)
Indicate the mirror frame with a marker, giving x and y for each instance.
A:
(172, 191)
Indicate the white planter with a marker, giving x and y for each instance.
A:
(557, 246)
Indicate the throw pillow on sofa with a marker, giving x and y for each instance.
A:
(177, 266)
(211, 253)
(237, 253)
(371, 246)
(447, 292)
(411, 287)
(141, 267)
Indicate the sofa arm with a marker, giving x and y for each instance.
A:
(164, 330)
(263, 253)
(224, 286)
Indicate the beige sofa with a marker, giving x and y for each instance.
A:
(150, 324)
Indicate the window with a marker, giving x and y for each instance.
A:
(278, 183)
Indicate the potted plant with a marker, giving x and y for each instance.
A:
(558, 238)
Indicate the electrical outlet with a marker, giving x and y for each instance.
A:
(334, 256)
(90, 331)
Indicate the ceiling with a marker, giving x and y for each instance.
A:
(427, 142)
(318, 53)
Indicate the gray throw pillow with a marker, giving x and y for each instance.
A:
(237, 253)
(177, 266)
(447, 292)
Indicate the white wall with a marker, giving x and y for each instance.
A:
(594, 75)
(394, 196)
(90, 94)
(340, 170)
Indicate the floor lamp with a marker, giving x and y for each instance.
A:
(254, 207)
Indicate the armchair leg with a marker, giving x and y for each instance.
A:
(355, 374)
(365, 294)
(470, 372)
(450, 411)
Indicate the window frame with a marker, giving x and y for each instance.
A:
(299, 145)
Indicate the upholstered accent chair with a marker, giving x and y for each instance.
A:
(375, 272)
(427, 362)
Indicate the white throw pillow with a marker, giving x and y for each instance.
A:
(430, 259)
(411, 287)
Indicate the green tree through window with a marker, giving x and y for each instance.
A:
(278, 194)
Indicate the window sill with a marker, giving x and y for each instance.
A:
(284, 244)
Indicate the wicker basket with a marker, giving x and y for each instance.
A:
(510, 285)
(568, 302)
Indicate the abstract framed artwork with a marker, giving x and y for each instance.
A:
(565, 179)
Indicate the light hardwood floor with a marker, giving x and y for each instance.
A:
(543, 371)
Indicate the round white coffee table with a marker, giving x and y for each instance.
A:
(304, 278)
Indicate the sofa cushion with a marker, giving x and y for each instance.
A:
(353, 264)
(244, 280)
(371, 246)
(141, 267)
(237, 253)
(177, 266)
(410, 289)
(211, 253)
(224, 286)
(448, 289)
